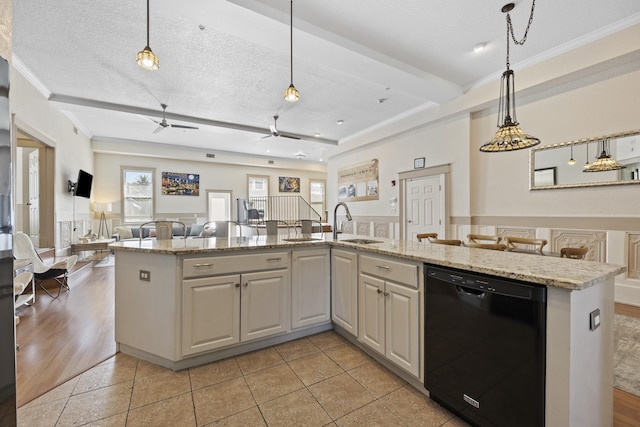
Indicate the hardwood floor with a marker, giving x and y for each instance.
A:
(62, 338)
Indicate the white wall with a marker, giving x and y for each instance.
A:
(500, 184)
(35, 116)
(442, 143)
(213, 176)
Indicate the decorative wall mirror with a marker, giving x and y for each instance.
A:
(566, 164)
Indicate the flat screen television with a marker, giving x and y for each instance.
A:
(83, 184)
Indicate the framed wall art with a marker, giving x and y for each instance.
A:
(288, 185)
(359, 182)
(180, 184)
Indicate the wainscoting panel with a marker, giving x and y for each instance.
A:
(364, 229)
(503, 232)
(596, 241)
(381, 229)
(633, 256)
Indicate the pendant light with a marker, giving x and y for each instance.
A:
(291, 94)
(587, 164)
(510, 136)
(146, 58)
(604, 162)
(571, 161)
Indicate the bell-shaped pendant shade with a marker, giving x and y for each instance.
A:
(291, 94)
(147, 59)
(604, 162)
(509, 136)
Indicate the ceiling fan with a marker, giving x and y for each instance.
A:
(163, 124)
(275, 133)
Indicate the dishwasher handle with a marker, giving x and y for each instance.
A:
(470, 292)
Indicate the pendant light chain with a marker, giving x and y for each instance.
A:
(510, 31)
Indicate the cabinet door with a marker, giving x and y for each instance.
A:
(310, 289)
(344, 290)
(402, 326)
(371, 312)
(264, 304)
(210, 313)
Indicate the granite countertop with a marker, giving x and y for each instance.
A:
(550, 271)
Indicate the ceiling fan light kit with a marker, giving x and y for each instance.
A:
(146, 58)
(510, 136)
(291, 94)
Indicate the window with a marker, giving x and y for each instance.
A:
(258, 186)
(137, 195)
(317, 197)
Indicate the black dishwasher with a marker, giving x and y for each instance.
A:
(485, 347)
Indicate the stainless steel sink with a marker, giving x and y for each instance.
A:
(301, 239)
(361, 241)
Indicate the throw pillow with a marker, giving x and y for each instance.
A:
(124, 232)
(152, 232)
(195, 230)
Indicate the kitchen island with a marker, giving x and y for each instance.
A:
(185, 302)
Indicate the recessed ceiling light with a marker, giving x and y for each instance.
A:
(317, 135)
(480, 46)
(268, 151)
(339, 121)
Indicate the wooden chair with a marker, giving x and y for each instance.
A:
(426, 236)
(491, 246)
(574, 253)
(483, 238)
(450, 242)
(513, 242)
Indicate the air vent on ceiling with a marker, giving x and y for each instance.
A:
(211, 156)
(271, 162)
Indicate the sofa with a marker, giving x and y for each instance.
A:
(132, 232)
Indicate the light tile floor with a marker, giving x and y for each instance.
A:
(321, 380)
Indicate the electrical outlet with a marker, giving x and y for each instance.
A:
(145, 275)
(594, 319)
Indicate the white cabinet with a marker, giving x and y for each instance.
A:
(223, 309)
(310, 287)
(264, 304)
(344, 290)
(211, 313)
(388, 310)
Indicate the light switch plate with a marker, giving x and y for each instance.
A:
(594, 319)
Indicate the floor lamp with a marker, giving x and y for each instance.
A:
(102, 208)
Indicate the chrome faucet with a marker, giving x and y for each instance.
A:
(335, 220)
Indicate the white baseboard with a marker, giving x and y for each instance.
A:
(626, 293)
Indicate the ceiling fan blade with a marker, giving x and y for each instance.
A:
(266, 136)
(284, 135)
(183, 126)
(158, 129)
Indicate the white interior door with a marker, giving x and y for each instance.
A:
(34, 198)
(423, 207)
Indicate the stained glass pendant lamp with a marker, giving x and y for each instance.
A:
(604, 162)
(146, 58)
(291, 94)
(510, 136)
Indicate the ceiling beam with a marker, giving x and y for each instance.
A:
(62, 100)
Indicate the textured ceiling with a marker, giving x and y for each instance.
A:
(228, 77)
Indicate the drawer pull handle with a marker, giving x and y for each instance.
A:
(209, 264)
(384, 267)
(379, 291)
(237, 285)
(274, 259)
(386, 294)
(246, 284)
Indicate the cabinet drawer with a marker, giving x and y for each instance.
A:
(210, 266)
(396, 271)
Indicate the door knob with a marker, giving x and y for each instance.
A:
(409, 221)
